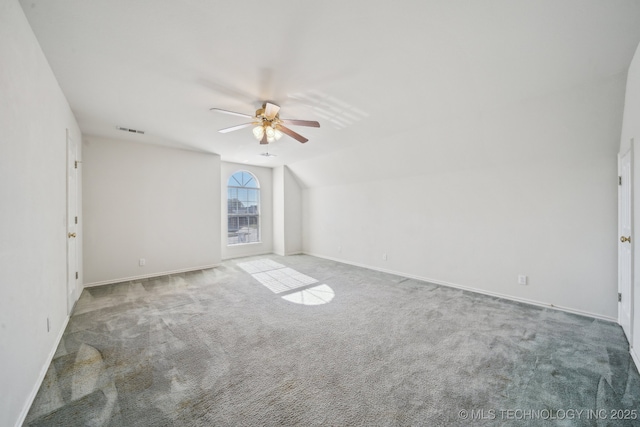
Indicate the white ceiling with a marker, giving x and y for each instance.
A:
(365, 70)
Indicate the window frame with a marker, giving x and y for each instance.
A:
(244, 238)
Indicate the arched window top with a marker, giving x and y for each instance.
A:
(243, 179)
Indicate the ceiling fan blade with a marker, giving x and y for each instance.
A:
(291, 133)
(237, 127)
(310, 123)
(264, 139)
(233, 113)
(270, 110)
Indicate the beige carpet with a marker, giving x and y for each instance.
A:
(305, 341)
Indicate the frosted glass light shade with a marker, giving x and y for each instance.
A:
(258, 132)
(271, 133)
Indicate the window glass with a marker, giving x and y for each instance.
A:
(243, 209)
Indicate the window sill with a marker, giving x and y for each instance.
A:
(243, 244)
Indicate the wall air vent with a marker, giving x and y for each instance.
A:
(130, 130)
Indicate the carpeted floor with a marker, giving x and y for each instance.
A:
(304, 341)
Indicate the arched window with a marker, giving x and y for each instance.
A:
(243, 209)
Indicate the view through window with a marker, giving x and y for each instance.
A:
(243, 209)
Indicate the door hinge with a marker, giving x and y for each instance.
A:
(76, 275)
(76, 220)
(75, 165)
(619, 180)
(619, 297)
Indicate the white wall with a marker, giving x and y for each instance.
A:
(477, 200)
(278, 211)
(287, 212)
(265, 178)
(631, 131)
(292, 213)
(34, 117)
(144, 201)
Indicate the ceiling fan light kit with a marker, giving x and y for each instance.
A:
(263, 129)
(268, 126)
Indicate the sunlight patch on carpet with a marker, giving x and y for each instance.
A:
(313, 296)
(279, 278)
(260, 265)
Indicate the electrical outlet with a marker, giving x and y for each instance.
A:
(522, 279)
(340, 248)
(142, 262)
(384, 256)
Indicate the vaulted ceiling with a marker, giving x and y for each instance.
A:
(365, 70)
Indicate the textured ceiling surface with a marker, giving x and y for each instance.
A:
(367, 71)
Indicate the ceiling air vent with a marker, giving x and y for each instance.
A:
(130, 130)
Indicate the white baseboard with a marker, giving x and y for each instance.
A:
(471, 289)
(43, 373)
(287, 253)
(147, 276)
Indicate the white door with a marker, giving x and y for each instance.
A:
(72, 221)
(625, 244)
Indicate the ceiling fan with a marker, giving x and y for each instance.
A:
(268, 126)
